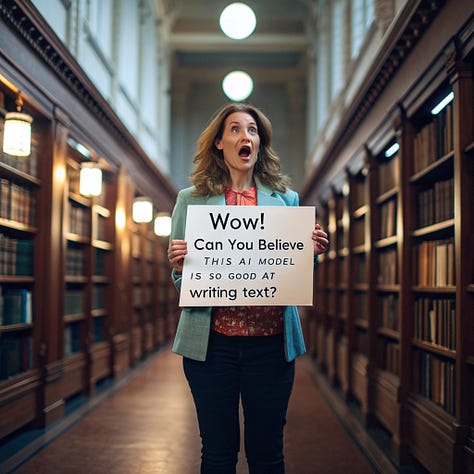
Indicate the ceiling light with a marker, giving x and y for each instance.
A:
(17, 131)
(237, 85)
(90, 179)
(163, 224)
(142, 210)
(237, 21)
(392, 150)
(436, 110)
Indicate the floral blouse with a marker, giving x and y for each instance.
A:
(246, 320)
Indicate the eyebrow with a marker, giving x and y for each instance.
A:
(238, 123)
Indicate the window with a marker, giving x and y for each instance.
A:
(337, 47)
(362, 17)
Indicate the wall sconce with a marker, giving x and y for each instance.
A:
(163, 224)
(142, 210)
(90, 180)
(17, 131)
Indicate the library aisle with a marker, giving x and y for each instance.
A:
(148, 426)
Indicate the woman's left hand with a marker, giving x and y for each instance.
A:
(320, 239)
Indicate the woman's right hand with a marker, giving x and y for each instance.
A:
(177, 249)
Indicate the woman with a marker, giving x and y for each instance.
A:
(233, 353)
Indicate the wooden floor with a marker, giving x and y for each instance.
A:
(148, 426)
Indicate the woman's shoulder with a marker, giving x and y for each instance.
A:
(189, 195)
(290, 196)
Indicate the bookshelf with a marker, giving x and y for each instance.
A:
(65, 270)
(20, 189)
(359, 226)
(322, 292)
(89, 270)
(145, 284)
(410, 274)
(154, 299)
(341, 293)
(386, 231)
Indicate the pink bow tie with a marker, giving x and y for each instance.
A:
(247, 197)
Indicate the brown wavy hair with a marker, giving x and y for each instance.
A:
(211, 175)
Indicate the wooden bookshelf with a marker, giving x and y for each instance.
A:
(360, 257)
(20, 189)
(411, 274)
(89, 270)
(322, 292)
(154, 299)
(66, 277)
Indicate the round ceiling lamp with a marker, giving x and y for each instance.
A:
(237, 21)
(237, 85)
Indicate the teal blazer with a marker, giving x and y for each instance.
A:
(192, 334)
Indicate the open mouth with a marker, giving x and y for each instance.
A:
(244, 152)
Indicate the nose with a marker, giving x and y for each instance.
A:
(246, 135)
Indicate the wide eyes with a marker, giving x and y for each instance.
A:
(251, 130)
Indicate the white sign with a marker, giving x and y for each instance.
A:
(248, 256)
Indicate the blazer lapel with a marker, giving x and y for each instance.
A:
(265, 197)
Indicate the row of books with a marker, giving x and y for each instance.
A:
(16, 256)
(98, 296)
(17, 203)
(358, 231)
(387, 267)
(101, 228)
(99, 329)
(388, 174)
(362, 341)
(434, 379)
(16, 306)
(360, 268)
(436, 204)
(388, 311)
(388, 218)
(434, 263)
(74, 261)
(100, 262)
(434, 140)
(390, 356)
(80, 222)
(72, 338)
(16, 355)
(74, 301)
(435, 321)
(361, 305)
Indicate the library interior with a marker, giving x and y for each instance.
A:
(372, 107)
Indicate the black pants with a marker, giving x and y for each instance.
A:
(251, 368)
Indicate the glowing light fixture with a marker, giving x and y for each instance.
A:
(390, 151)
(17, 131)
(163, 224)
(142, 210)
(438, 108)
(237, 85)
(237, 21)
(90, 180)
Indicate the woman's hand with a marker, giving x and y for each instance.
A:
(177, 249)
(320, 239)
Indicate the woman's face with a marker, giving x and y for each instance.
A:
(239, 143)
